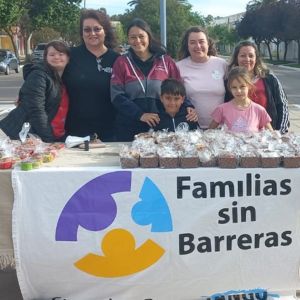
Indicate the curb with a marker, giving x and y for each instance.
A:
(288, 68)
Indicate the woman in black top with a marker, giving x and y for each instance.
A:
(87, 78)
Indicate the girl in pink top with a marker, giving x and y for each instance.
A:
(241, 114)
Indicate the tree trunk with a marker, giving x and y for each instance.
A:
(28, 51)
(286, 44)
(11, 36)
(298, 42)
(277, 51)
(269, 50)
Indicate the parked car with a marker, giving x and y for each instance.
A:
(38, 52)
(8, 61)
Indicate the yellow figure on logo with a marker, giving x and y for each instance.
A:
(120, 256)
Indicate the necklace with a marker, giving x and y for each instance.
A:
(99, 66)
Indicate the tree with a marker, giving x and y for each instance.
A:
(120, 34)
(293, 24)
(223, 35)
(180, 17)
(31, 15)
(275, 21)
(10, 13)
(256, 24)
(57, 14)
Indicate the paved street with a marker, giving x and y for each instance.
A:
(9, 87)
(290, 78)
(9, 288)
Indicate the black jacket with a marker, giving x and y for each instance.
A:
(39, 99)
(170, 123)
(277, 104)
(88, 85)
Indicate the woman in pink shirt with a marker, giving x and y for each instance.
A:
(202, 72)
(241, 114)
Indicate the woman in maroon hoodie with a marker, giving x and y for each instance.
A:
(136, 80)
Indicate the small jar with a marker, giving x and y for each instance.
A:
(6, 163)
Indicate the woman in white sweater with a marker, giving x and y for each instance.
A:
(202, 72)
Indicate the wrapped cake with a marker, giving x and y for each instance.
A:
(270, 159)
(227, 160)
(129, 158)
(189, 157)
(148, 160)
(210, 148)
(249, 160)
(206, 158)
(168, 158)
(291, 160)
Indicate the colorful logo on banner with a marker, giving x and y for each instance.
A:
(259, 294)
(93, 208)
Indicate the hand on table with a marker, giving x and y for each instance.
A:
(192, 115)
(151, 119)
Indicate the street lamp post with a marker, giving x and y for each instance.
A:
(163, 22)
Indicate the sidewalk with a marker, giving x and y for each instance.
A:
(294, 110)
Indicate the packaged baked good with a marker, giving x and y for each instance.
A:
(129, 158)
(227, 160)
(249, 160)
(165, 137)
(148, 160)
(168, 158)
(291, 160)
(206, 158)
(270, 159)
(189, 157)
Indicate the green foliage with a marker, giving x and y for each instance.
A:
(223, 35)
(31, 16)
(271, 21)
(45, 35)
(57, 14)
(179, 18)
(121, 38)
(10, 12)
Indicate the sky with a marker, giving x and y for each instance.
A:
(203, 7)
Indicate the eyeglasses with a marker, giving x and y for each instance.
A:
(89, 30)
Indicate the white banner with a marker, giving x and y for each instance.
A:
(108, 234)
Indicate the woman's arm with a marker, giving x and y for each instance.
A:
(33, 95)
(119, 98)
(281, 104)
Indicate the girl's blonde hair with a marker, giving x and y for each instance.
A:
(240, 74)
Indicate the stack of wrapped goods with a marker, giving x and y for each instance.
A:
(212, 148)
(30, 154)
